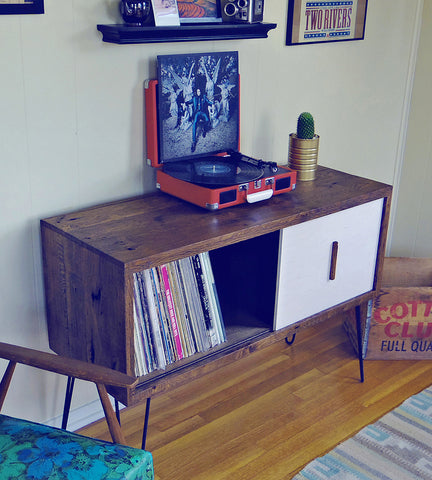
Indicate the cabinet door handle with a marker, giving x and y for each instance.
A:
(335, 246)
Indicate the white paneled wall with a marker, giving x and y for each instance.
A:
(412, 234)
(71, 130)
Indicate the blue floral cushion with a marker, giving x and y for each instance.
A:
(33, 451)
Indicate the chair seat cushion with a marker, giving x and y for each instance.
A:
(33, 451)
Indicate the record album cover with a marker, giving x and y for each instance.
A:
(198, 104)
(192, 11)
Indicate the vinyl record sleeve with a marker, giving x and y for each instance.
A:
(198, 105)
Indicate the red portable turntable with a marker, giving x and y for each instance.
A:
(192, 128)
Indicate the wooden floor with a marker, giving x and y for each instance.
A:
(272, 412)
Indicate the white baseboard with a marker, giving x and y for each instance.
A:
(81, 416)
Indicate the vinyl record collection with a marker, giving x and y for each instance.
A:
(176, 313)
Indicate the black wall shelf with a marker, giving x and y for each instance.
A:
(125, 34)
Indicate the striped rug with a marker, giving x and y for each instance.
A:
(396, 447)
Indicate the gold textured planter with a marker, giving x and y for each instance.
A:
(303, 156)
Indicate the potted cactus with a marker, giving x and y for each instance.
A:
(303, 148)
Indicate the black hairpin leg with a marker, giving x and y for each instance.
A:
(117, 410)
(68, 399)
(359, 341)
(146, 420)
(290, 342)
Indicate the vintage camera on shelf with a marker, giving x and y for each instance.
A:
(244, 11)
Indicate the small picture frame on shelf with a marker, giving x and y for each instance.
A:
(325, 21)
(199, 11)
(19, 7)
(165, 13)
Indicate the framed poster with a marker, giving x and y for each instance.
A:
(21, 6)
(325, 21)
(192, 11)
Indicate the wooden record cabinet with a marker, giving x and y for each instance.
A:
(280, 265)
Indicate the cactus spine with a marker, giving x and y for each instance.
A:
(305, 126)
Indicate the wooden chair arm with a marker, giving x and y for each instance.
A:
(66, 366)
(97, 374)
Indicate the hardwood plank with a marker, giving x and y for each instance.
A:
(271, 412)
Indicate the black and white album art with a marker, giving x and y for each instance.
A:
(198, 104)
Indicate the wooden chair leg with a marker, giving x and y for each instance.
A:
(7, 377)
(113, 424)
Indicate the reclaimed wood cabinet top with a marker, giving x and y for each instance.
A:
(155, 228)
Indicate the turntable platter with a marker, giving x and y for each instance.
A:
(214, 171)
